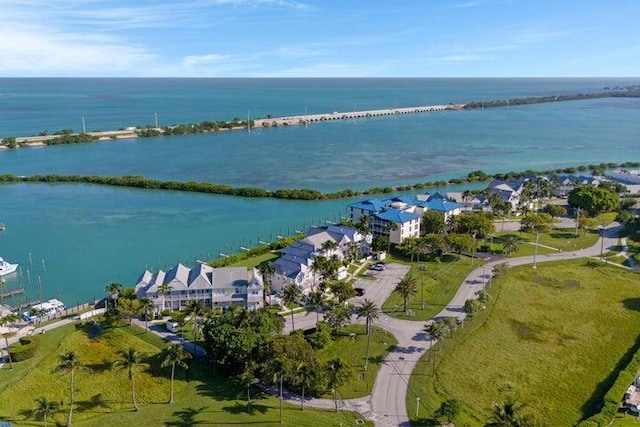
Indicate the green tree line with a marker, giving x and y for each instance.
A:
(137, 181)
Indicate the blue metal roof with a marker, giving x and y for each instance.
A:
(398, 216)
(441, 205)
(373, 205)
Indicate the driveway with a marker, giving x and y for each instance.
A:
(376, 289)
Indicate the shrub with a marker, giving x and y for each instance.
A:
(24, 349)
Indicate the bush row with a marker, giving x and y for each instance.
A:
(613, 397)
(24, 349)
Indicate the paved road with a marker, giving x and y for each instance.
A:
(377, 290)
(387, 404)
(388, 400)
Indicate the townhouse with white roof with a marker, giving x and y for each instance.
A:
(216, 287)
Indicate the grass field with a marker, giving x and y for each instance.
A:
(562, 239)
(554, 338)
(256, 260)
(103, 395)
(352, 350)
(625, 421)
(438, 282)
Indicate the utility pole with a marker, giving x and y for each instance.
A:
(577, 220)
(602, 242)
(535, 252)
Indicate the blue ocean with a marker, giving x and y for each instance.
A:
(71, 240)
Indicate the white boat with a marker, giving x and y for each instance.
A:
(45, 309)
(6, 268)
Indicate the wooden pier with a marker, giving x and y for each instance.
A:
(11, 292)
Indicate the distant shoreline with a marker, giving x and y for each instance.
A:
(129, 133)
(299, 120)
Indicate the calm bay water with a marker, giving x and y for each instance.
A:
(90, 235)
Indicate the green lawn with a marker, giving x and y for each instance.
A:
(438, 283)
(553, 338)
(633, 242)
(352, 349)
(103, 396)
(622, 420)
(562, 239)
(256, 260)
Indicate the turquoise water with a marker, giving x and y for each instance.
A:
(364, 153)
(89, 235)
(28, 106)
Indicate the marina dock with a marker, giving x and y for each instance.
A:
(11, 292)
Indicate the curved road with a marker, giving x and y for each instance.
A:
(387, 404)
(388, 401)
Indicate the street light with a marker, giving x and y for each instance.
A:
(535, 252)
(602, 241)
(473, 255)
(422, 269)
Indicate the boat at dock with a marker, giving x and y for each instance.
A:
(7, 268)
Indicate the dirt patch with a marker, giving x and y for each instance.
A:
(571, 284)
(526, 331)
(552, 282)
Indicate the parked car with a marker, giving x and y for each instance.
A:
(378, 267)
(359, 291)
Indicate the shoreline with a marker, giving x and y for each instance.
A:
(130, 133)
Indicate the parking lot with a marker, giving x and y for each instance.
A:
(377, 289)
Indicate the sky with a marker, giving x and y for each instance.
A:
(319, 38)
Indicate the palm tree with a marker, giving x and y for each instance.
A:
(70, 362)
(337, 374)
(174, 355)
(196, 309)
(6, 320)
(145, 306)
(291, 294)
(304, 376)
(279, 369)
(435, 331)
(44, 408)
(406, 287)
(370, 311)
(320, 264)
(510, 244)
(267, 270)
(247, 378)
(38, 313)
(113, 290)
(509, 414)
(389, 227)
(409, 246)
(130, 358)
(316, 300)
(364, 225)
(164, 289)
(329, 246)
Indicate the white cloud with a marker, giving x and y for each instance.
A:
(36, 51)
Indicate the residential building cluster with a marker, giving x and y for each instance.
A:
(217, 287)
(396, 218)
